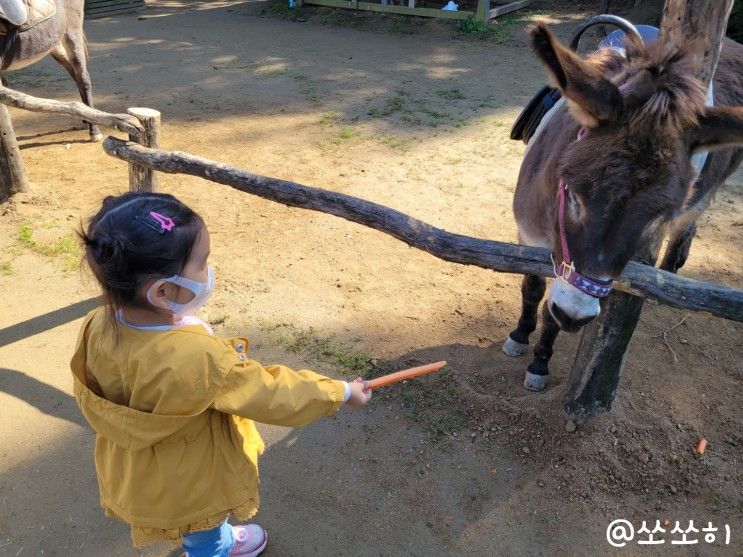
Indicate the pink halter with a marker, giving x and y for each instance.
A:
(566, 268)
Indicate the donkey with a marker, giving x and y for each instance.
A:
(61, 35)
(611, 167)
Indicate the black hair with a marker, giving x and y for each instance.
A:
(125, 245)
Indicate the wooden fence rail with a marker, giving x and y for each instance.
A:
(122, 122)
(638, 279)
(13, 177)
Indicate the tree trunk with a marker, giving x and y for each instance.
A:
(12, 174)
(598, 364)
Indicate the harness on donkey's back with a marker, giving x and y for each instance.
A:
(17, 16)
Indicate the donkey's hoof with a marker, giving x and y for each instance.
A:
(96, 137)
(535, 382)
(513, 348)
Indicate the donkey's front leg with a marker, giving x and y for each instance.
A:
(679, 245)
(538, 371)
(532, 292)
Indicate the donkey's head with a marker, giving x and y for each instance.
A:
(628, 170)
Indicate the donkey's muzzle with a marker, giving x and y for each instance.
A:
(567, 323)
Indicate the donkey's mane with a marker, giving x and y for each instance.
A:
(666, 95)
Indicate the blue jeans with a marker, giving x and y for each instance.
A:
(216, 542)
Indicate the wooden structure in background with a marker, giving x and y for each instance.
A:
(102, 8)
(486, 9)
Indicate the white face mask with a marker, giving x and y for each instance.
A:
(201, 290)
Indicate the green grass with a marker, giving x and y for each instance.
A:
(280, 9)
(498, 31)
(412, 120)
(6, 268)
(330, 118)
(472, 28)
(433, 403)
(343, 18)
(435, 114)
(306, 88)
(407, 25)
(347, 133)
(411, 110)
(26, 236)
(396, 143)
(344, 357)
(392, 106)
(66, 250)
(450, 94)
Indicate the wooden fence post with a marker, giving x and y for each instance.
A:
(12, 174)
(483, 11)
(143, 178)
(600, 358)
(601, 354)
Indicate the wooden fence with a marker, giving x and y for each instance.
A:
(145, 159)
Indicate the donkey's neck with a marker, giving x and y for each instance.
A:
(536, 189)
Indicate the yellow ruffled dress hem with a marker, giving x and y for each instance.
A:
(145, 536)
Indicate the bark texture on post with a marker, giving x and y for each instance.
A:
(602, 351)
(704, 21)
(591, 386)
(12, 173)
(143, 178)
(598, 364)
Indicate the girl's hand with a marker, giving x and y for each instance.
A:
(360, 395)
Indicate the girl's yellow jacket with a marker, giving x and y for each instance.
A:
(176, 447)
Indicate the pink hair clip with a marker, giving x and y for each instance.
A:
(161, 225)
(166, 222)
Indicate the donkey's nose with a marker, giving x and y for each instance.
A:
(567, 323)
(571, 308)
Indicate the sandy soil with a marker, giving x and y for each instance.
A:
(465, 464)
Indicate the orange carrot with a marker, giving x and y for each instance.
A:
(403, 375)
(701, 446)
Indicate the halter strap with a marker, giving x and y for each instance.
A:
(562, 193)
(566, 268)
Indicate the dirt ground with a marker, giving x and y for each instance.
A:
(467, 463)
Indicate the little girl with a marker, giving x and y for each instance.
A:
(173, 405)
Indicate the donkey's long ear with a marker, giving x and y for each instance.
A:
(719, 127)
(591, 97)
